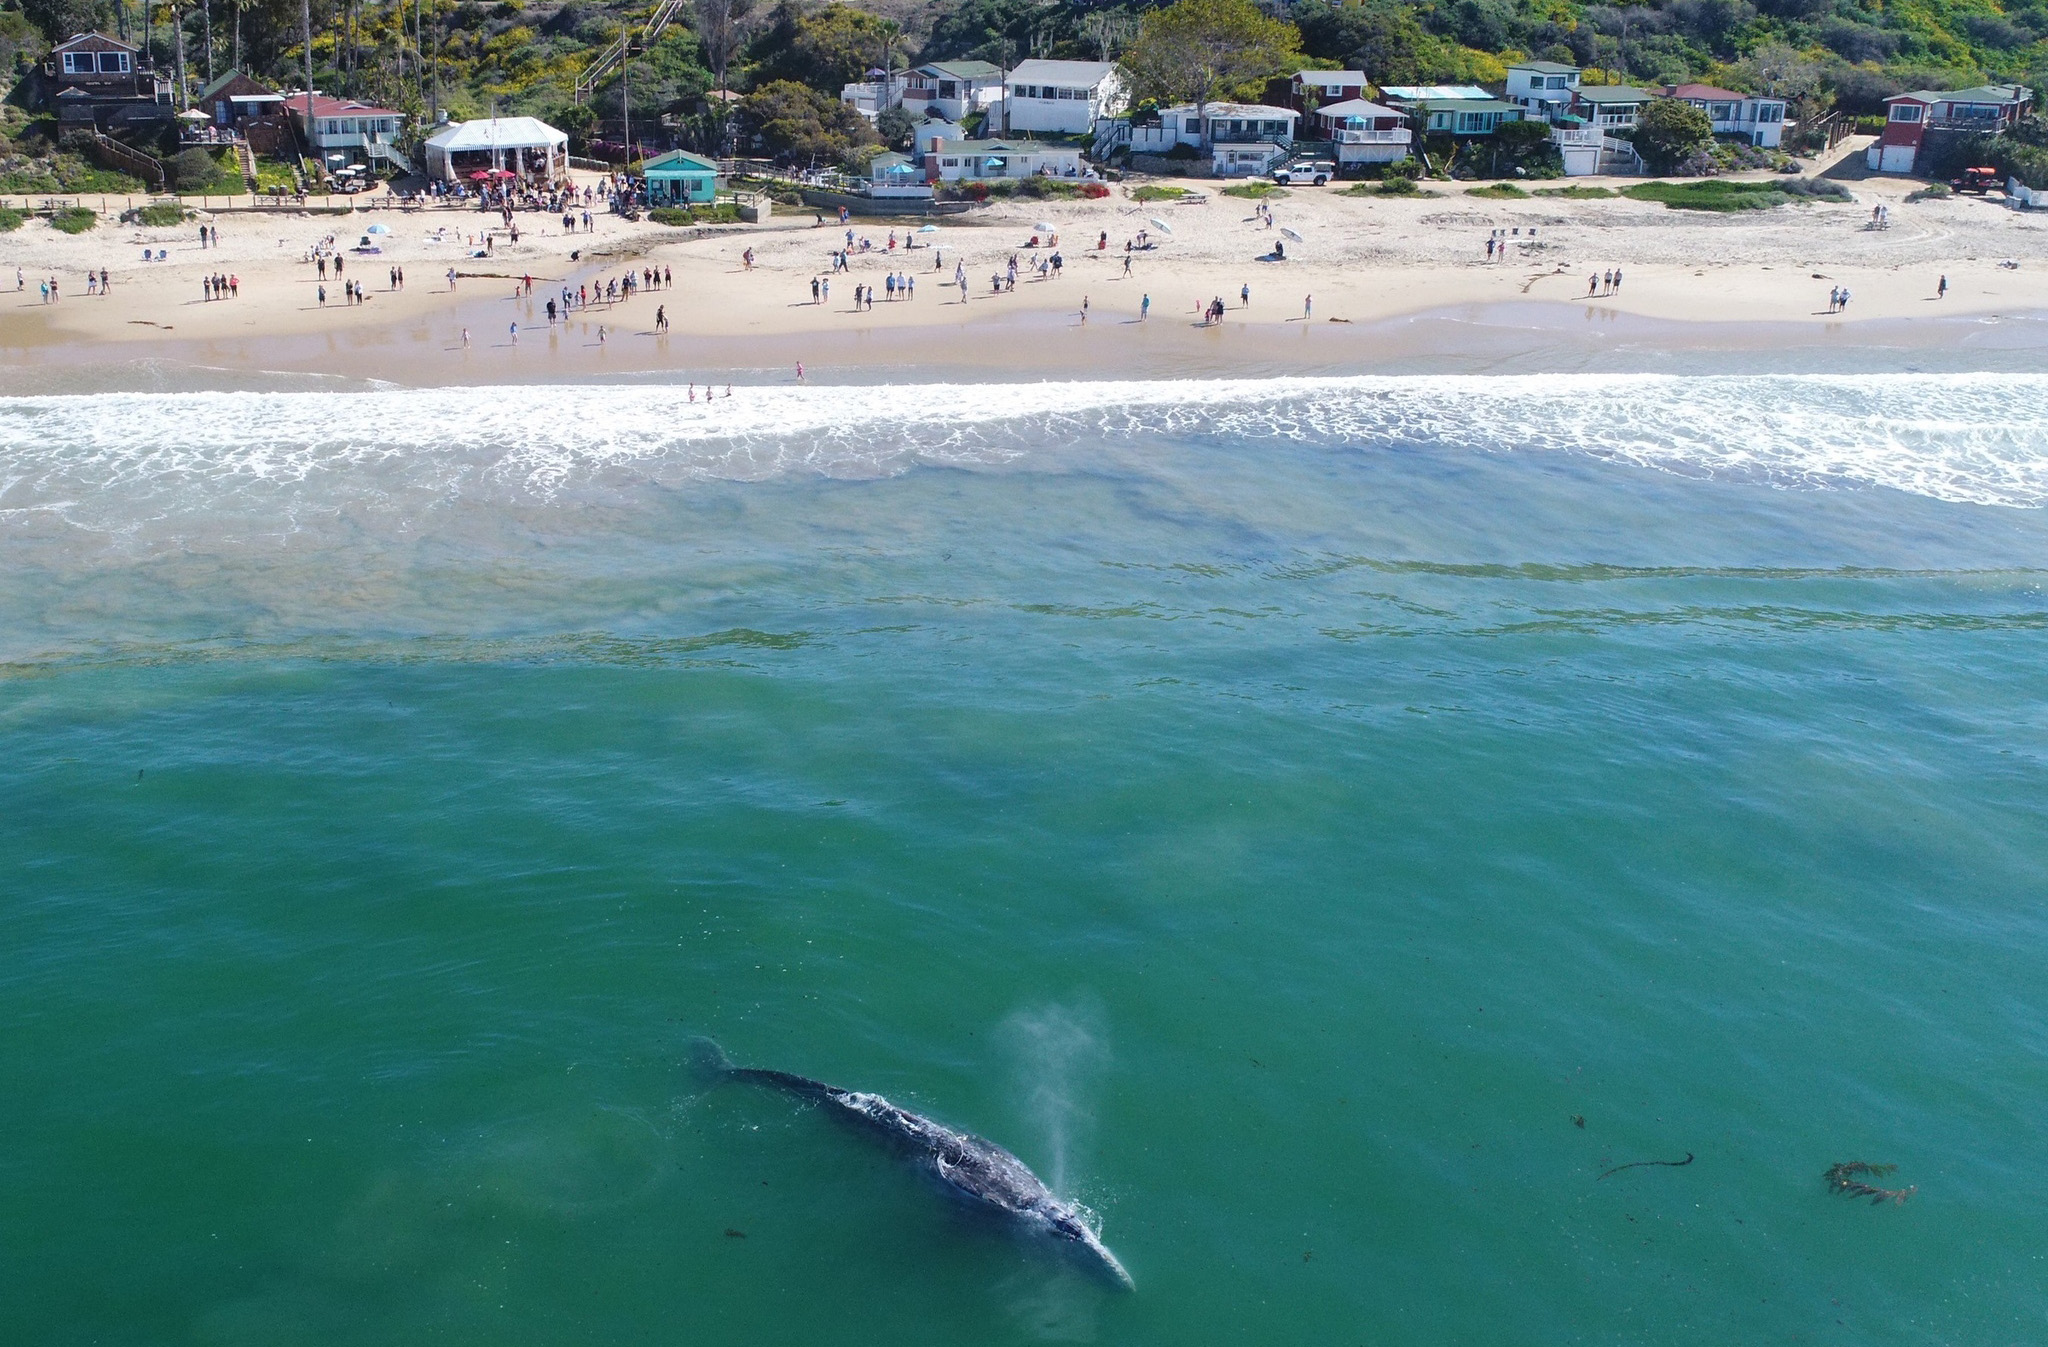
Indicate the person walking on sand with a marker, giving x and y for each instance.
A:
(1144, 308)
(1084, 311)
(320, 292)
(465, 339)
(1308, 306)
(799, 371)
(1941, 290)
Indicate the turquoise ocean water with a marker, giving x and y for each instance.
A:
(1322, 826)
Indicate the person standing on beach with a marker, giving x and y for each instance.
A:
(321, 293)
(1308, 306)
(799, 371)
(1244, 296)
(1941, 290)
(515, 334)
(1144, 307)
(1084, 311)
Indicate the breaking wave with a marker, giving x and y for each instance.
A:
(100, 462)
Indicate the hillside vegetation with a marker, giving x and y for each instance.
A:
(523, 56)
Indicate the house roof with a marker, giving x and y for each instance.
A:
(1471, 105)
(1088, 73)
(1983, 93)
(324, 106)
(1705, 92)
(1430, 93)
(93, 41)
(1545, 67)
(1003, 147)
(679, 162)
(965, 70)
(1358, 107)
(1238, 110)
(1331, 76)
(497, 133)
(1614, 93)
(225, 80)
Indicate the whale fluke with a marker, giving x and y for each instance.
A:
(972, 1166)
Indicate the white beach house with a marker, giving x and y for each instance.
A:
(1061, 97)
(1541, 89)
(1241, 139)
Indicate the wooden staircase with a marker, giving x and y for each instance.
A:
(113, 154)
(614, 55)
(247, 159)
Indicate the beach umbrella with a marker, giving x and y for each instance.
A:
(380, 229)
(192, 115)
(928, 229)
(1160, 225)
(1045, 227)
(1289, 233)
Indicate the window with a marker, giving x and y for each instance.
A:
(78, 63)
(113, 63)
(1770, 112)
(1721, 112)
(1559, 82)
(1907, 112)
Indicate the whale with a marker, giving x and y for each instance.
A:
(972, 1167)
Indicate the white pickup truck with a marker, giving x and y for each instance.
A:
(1317, 171)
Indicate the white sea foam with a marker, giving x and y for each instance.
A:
(104, 462)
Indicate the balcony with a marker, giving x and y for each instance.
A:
(1577, 137)
(1397, 137)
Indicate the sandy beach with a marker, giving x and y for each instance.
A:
(1364, 261)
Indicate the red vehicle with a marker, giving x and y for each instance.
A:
(1978, 180)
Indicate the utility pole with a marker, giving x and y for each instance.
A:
(178, 30)
(306, 32)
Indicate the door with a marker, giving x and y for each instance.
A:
(1896, 159)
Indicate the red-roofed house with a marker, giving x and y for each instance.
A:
(1758, 120)
(343, 131)
(1909, 117)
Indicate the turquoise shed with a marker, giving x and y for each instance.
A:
(680, 178)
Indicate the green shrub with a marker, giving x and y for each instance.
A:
(10, 219)
(158, 215)
(1719, 194)
(1255, 190)
(1576, 193)
(73, 220)
(1499, 191)
(724, 212)
(1933, 191)
(1153, 191)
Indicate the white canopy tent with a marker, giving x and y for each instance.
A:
(517, 144)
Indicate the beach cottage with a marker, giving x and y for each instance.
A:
(1061, 97)
(989, 160)
(1241, 139)
(1324, 87)
(94, 82)
(1910, 117)
(343, 131)
(1611, 107)
(1758, 120)
(951, 90)
(527, 146)
(1366, 133)
(680, 178)
(1542, 89)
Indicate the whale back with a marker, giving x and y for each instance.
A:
(972, 1166)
